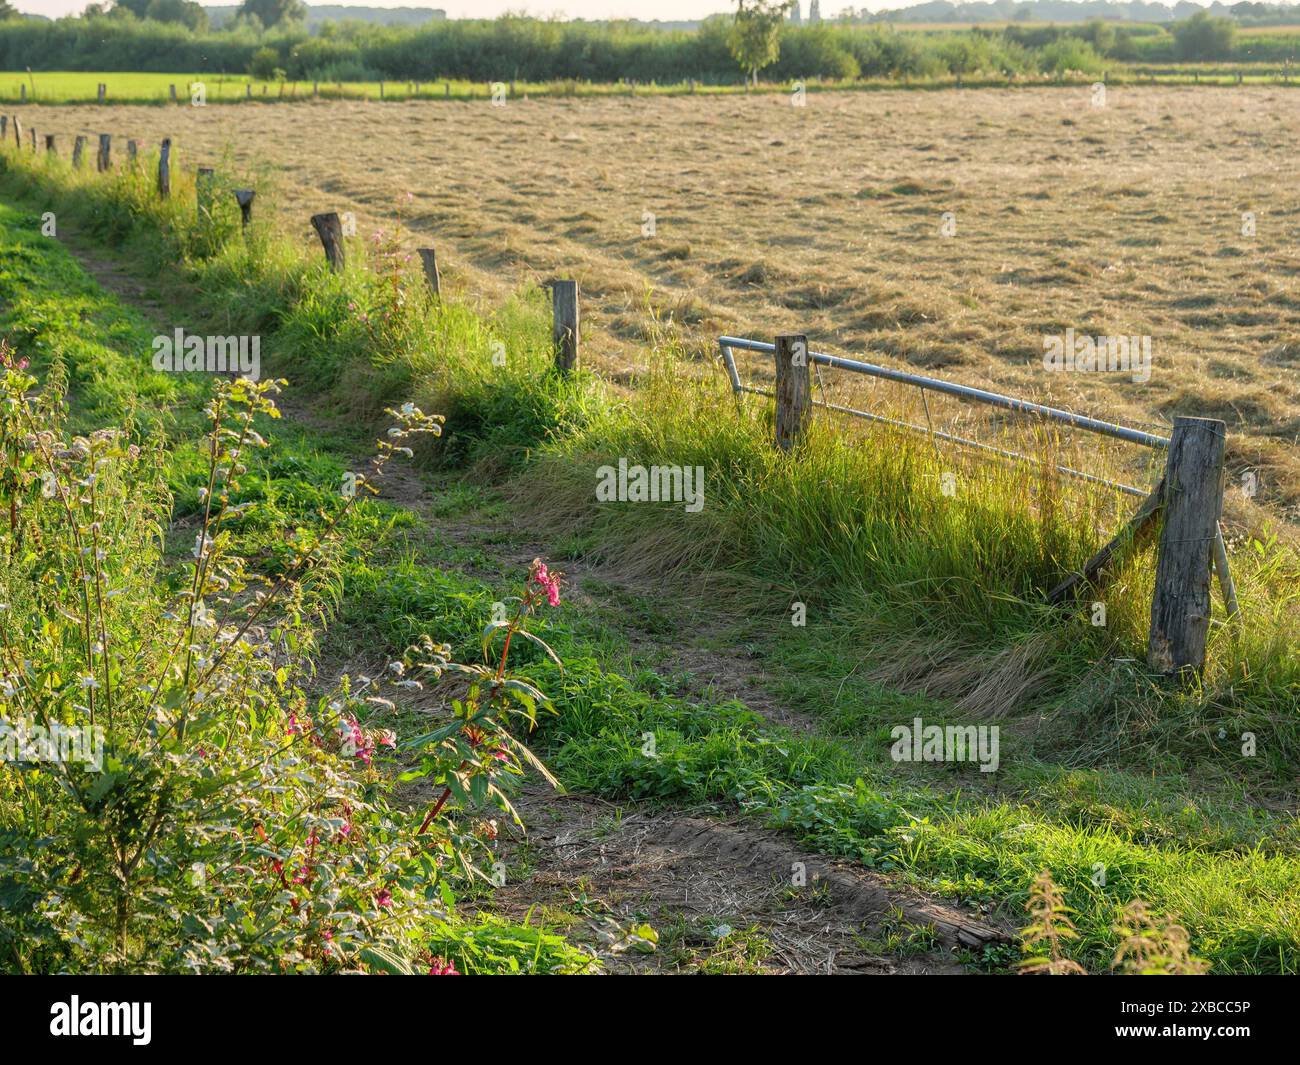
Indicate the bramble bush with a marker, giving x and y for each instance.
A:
(210, 815)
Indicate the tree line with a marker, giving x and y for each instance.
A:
(724, 50)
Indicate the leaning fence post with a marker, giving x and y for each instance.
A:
(103, 161)
(1180, 608)
(329, 228)
(429, 258)
(244, 197)
(165, 168)
(32, 135)
(793, 389)
(78, 149)
(564, 324)
(18, 133)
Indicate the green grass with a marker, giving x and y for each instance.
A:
(81, 87)
(1120, 786)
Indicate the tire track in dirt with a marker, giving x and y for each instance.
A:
(606, 867)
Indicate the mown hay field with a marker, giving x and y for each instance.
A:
(1169, 213)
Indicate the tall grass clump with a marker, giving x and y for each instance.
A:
(937, 563)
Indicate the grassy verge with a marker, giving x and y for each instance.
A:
(82, 87)
(73, 331)
(1121, 787)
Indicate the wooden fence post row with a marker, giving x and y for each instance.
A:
(103, 158)
(78, 149)
(165, 168)
(429, 259)
(1193, 504)
(245, 197)
(564, 325)
(329, 227)
(793, 389)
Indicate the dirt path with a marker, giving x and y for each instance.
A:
(723, 895)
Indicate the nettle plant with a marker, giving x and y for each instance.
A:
(233, 823)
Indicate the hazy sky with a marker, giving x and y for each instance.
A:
(646, 9)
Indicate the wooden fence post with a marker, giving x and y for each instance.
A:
(1180, 609)
(793, 389)
(329, 228)
(564, 326)
(18, 133)
(103, 160)
(429, 258)
(78, 150)
(245, 197)
(165, 168)
(4, 126)
(171, 89)
(22, 94)
(49, 143)
(132, 152)
(101, 90)
(32, 136)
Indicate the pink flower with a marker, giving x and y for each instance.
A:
(442, 967)
(384, 899)
(543, 578)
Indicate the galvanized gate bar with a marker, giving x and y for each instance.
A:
(978, 395)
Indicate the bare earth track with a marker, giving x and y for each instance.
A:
(601, 869)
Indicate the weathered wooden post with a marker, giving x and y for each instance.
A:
(793, 389)
(429, 259)
(49, 143)
(78, 150)
(1193, 501)
(171, 91)
(31, 133)
(245, 197)
(381, 90)
(203, 191)
(18, 133)
(248, 90)
(447, 90)
(132, 153)
(315, 89)
(165, 168)
(101, 90)
(4, 126)
(564, 325)
(329, 228)
(103, 159)
(22, 94)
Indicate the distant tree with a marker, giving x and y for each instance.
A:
(185, 12)
(6, 11)
(273, 12)
(265, 65)
(1204, 36)
(755, 37)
